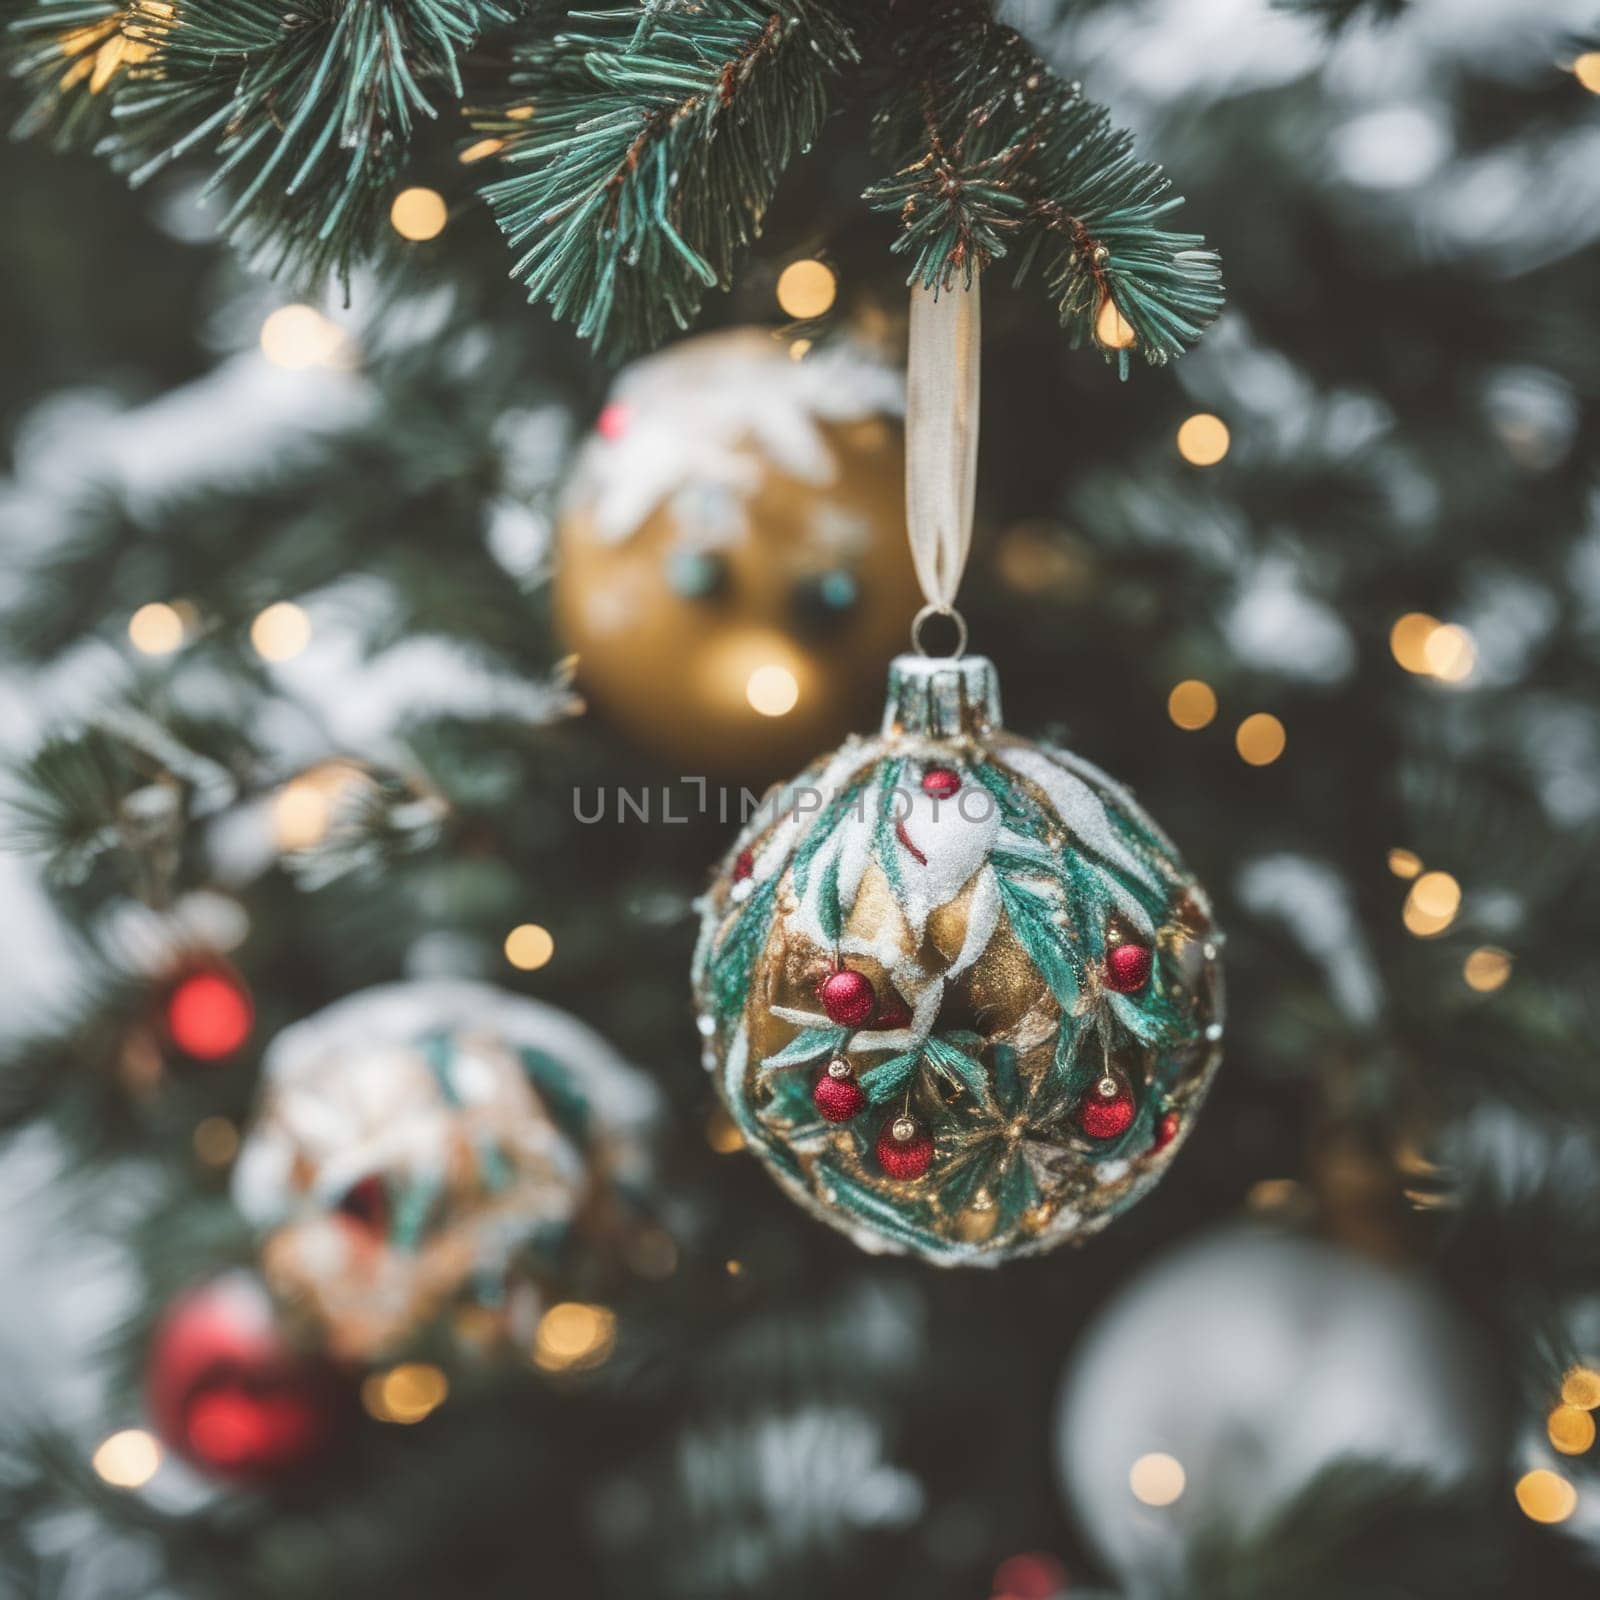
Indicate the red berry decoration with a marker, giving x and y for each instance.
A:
(837, 1096)
(941, 782)
(1166, 1131)
(893, 1013)
(848, 998)
(743, 864)
(904, 1149)
(1127, 968)
(1107, 1110)
(209, 1014)
(227, 1391)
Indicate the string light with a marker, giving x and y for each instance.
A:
(1260, 739)
(1112, 329)
(127, 1460)
(1546, 1496)
(529, 947)
(297, 337)
(1405, 863)
(1581, 1388)
(1570, 1429)
(156, 629)
(772, 690)
(1192, 704)
(280, 632)
(1432, 904)
(806, 289)
(1486, 969)
(480, 151)
(1450, 653)
(573, 1336)
(1587, 70)
(1203, 439)
(1157, 1479)
(406, 1393)
(418, 214)
(733, 1267)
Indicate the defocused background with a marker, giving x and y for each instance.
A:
(289, 711)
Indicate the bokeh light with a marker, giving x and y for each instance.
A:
(1486, 969)
(1192, 704)
(573, 1336)
(418, 214)
(156, 629)
(481, 151)
(529, 947)
(1157, 1479)
(806, 289)
(299, 336)
(1546, 1496)
(1581, 1387)
(406, 1393)
(1203, 439)
(303, 809)
(209, 1015)
(1432, 904)
(1404, 863)
(1408, 640)
(127, 1460)
(772, 690)
(1570, 1429)
(1450, 653)
(1260, 739)
(280, 632)
(216, 1141)
(1112, 329)
(1587, 70)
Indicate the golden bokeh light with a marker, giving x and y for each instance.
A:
(1405, 863)
(1408, 640)
(1546, 1496)
(722, 1133)
(1432, 904)
(1203, 439)
(418, 214)
(773, 691)
(733, 1267)
(1570, 1429)
(1112, 329)
(1156, 1479)
(481, 151)
(1260, 739)
(298, 337)
(216, 1141)
(1486, 969)
(573, 1336)
(1450, 653)
(807, 289)
(1192, 704)
(529, 947)
(156, 629)
(1587, 70)
(1581, 1388)
(280, 632)
(799, 349)
(127, 1460)
(406, 1393)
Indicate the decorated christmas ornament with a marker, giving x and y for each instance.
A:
(1214, 1389)
(428, 1147)
(731, 563)
(958, 992)
(228, 1391)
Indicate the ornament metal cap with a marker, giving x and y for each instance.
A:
(942, 698)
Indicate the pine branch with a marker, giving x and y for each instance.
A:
(306, 109)
(995, 156)
(1336, 15)
(651, 154)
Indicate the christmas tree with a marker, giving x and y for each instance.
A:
(455, 464)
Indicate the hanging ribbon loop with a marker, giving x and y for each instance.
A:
(942, 443)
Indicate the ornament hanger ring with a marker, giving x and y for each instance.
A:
(955, 616)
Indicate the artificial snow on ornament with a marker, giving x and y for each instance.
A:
(958, 992)
(228, 1391)
(439, 1147)
(731, 552)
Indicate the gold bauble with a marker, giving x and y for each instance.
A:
(731, 561)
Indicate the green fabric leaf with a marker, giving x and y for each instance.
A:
(810, 1044)
(888, 1078)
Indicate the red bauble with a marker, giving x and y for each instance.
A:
(847, 997)
(743, 864)
(1106, 1112)
(227, 1391)
(941, 782)
(1127, 968)
(893, 1013)
(1166, 1131)
(904, 1149)
(209, 1014)
(836, 1095)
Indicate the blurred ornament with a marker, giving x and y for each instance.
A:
(208, 1012)
(731, 565)
(1227, 1376)
(959, 993)
(431, 1146)
(227, 1390)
